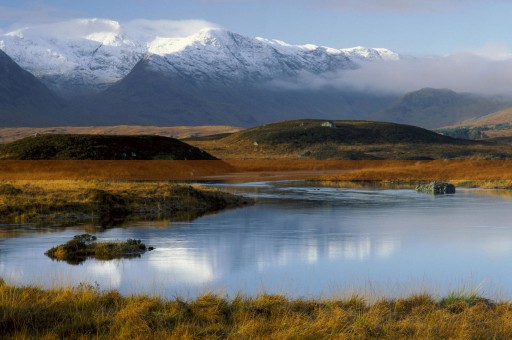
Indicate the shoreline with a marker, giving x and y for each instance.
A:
(110, 203)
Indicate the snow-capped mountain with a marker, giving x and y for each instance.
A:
(85, 54)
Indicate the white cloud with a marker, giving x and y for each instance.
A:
(139, 29)
(459, 72)
(166, 28)
(494, 51)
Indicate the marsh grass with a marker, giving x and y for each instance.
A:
(85, 311)
(68, 201)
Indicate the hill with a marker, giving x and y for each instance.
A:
(434, 108)
(11, 134)
(500, 117)
(496, 126)
(100, 147)
(321, 139)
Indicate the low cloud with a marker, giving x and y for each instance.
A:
(139, 29)
(461, 73)
(166, 28)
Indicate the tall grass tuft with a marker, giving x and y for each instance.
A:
(86, 312)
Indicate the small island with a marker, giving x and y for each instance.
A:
(85, 246)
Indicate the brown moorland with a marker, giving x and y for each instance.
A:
(257, 170)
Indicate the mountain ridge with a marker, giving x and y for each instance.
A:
(100, 52)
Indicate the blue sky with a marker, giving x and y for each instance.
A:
(417, 27)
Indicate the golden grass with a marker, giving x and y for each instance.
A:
(257, 170)
(226, 149)
(67, 201)
(85, 312)
(8, 135)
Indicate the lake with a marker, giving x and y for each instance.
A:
(299, 239)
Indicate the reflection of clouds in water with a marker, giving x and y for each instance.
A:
(314, 251)
(11, 273)
(387, 246)
(358, 249)
(107, 273)
(184, 266)
(497, 247)
(362, 248)
(312, 256)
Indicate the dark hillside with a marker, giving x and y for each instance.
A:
(342, 139)
(308, 132)
(100, 147)
(24, 100)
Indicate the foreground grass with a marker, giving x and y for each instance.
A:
(30, 312)
(60, 202)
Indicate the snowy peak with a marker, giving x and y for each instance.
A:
(371, 54)
(94, 53)
(74, 54)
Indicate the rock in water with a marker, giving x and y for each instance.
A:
(436, 188)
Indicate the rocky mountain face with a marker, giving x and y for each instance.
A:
(90, 54)
(24, 100)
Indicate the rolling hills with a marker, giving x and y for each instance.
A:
(321, 139)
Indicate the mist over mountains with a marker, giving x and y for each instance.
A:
(102, 72)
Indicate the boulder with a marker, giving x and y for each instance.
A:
(436, 188)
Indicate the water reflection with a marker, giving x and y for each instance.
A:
(298, 239)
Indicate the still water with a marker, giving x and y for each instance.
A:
(300, 240)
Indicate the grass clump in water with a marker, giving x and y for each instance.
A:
(84, 246)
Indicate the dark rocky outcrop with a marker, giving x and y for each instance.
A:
(436, 188)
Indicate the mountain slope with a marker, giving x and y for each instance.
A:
(496, 118)
(24, 100)
(432, 108)
(496, 126)
(147, 96)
